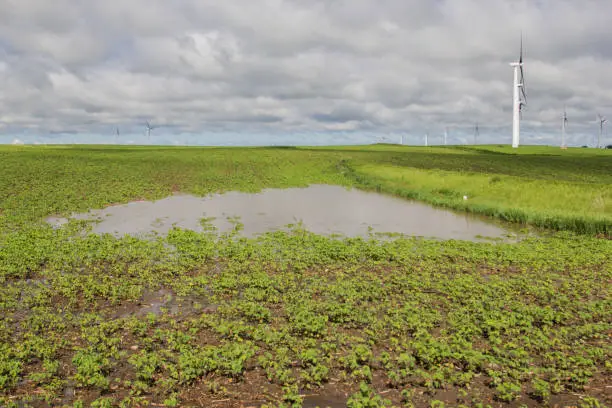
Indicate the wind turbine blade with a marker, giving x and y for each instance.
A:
(523, 85)
(522, 72)
(521, 55)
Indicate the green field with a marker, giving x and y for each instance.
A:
(295, 319)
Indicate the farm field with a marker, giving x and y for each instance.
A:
(295, 319)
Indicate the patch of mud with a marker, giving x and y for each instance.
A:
(324, 401)
(69, 392)
(322, 209)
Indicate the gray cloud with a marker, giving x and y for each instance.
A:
(301, 67)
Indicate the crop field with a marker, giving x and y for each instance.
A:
(292, 319)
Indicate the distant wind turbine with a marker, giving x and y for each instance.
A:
(445, 135)
(519, 98)
(476, 133)
(149, 129)
(602, 120)
(563, 128)
(426, 139)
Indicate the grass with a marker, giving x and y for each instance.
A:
(287, 318)
(555, 204)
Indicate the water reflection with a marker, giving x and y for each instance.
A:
(323, 209)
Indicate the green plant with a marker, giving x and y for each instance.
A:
(366, 398)
(91, 369)
(590, 402)
(508, 391)
(541, 389)
(172, 401)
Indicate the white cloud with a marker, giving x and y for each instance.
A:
(300, 67)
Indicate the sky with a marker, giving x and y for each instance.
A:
(306, 72)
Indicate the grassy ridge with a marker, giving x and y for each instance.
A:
(545, 187)
(558, 205)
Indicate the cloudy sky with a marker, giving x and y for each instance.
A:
(300, 71)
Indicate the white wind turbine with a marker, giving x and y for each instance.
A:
(149, 129)
(445, 135)
(476, 133)
(426, 139)
(519, 99)
(601, 120)
(563, 128)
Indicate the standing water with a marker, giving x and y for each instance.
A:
(322, 209)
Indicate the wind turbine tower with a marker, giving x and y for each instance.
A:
(445, 135)
(563, 126)
(519, 99)
(476, 133)
(426, 139)
(602, 120)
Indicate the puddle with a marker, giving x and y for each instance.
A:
(153, 302)
(322, 209)
(164, 301)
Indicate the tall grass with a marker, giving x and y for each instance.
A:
(579, 207)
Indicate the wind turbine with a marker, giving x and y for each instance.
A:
(445, 135)
(564, 124)
(602, 120)
(426, 139)
(149, 129)
(117, 134)
(476, 133)
(519, 99)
